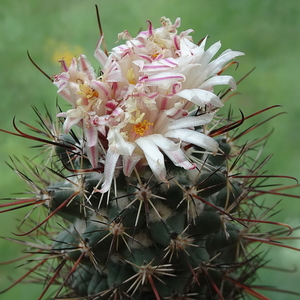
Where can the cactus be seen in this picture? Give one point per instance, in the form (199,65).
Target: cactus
(148,190)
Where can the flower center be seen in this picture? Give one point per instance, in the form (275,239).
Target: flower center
(154,55)
(87,92)
(130,76)
(142,127)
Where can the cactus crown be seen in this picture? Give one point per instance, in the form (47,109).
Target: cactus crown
(147,191)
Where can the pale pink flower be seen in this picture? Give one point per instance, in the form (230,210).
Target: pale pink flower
(90,97)
(152,93)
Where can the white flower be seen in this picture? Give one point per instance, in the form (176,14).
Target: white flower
(149,140)
(152,93)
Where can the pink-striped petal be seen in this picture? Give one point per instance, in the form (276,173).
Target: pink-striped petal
(91,135)
(100,54)
(165,79)
(86,67)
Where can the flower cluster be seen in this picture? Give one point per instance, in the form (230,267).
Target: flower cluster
(151,94)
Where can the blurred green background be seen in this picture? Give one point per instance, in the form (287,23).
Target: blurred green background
(267,31)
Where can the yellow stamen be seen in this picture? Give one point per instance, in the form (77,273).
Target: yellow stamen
(87,92)
(142,127)
(130,76)
(154,55)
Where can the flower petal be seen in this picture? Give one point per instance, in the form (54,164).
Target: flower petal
(86,67)
(216,65)
(195,138)
(160,65)
(100,54)
(153,156)
(118,144)
(210,53)
(91,135)
(164,143)
(179,159)
(164,79)
(192,121)
(200,97)
(109,170)
(69,122)
(129,163)
(219,80)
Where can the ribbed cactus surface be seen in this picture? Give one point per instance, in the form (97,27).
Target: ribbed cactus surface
(148,191)
(149,239)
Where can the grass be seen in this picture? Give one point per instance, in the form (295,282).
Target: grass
(267,31)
